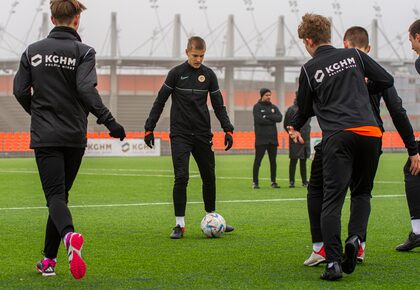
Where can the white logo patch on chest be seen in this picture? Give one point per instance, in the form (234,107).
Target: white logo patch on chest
(201,78)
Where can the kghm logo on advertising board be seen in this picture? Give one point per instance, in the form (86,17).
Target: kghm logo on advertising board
(54,61)
(125,147)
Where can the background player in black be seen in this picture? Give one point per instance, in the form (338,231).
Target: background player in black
(266,116)
(332,87)
(56,85)
(298,151)
(412,183)
(190,83)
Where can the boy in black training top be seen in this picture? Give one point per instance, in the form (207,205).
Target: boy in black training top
(190,83)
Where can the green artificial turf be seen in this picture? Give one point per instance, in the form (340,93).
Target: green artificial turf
(123,207)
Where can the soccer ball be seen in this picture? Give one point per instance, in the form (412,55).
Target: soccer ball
(213,225)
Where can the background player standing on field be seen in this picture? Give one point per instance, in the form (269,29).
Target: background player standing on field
(332,87)
(56,85)
(266,116)
(190,83)
(356,37)
(298,151)
(412,183)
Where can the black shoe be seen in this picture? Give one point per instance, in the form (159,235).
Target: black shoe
(412,242)
(305,184)
(255,186)
(275,185)
(229,229)
(332,273)
(292,184)
(177,232)
(350,254)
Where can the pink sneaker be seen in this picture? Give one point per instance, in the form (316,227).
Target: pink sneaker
(74,244)
(46,267)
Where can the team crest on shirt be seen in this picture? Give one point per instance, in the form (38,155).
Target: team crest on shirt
(272,110)
(201,78)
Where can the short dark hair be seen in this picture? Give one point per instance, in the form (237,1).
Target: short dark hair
(196,42)
(357,36)
(414,28)
(65,10)
(315,27)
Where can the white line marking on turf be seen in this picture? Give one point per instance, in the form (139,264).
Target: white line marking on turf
(191,202)
(106,173)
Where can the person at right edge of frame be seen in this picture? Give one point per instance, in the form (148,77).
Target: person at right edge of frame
(56,85)
(266,116)
(298,151)
(190,84)
(412,183)
(332,87)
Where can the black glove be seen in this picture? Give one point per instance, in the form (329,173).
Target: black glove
(228,140)
(149,139)
(115,130)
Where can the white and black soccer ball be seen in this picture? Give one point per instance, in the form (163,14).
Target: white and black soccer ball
(213,225)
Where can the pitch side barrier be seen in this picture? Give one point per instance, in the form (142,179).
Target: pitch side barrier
(16,144)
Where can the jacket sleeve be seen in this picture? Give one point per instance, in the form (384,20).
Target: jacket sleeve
(276,116)
(261,119)
(219,108)
(304,101)
(22,84)
(86,82)
(287,119)
(159,103)
(289,116)
(399,117)
(379,77)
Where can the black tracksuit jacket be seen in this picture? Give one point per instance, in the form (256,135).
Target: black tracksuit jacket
(189,88)
(266,116)
(343,72)
(56,85)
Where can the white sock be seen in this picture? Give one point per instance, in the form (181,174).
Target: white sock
(180,221)
(330,264)
(415,224)
(317,246)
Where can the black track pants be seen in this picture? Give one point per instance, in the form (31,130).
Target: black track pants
(316,195)
(347,157)
(58,167)
(292,169)
(412,191)
(201,149)
(259,154)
